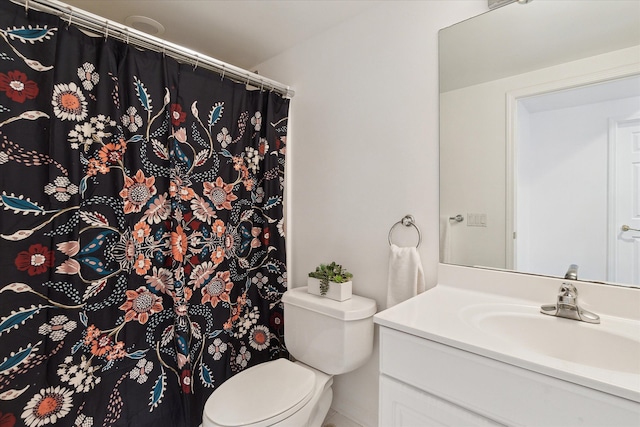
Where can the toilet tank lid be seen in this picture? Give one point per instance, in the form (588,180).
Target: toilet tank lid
(355,308)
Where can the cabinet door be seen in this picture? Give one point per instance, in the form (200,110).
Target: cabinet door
(404,406)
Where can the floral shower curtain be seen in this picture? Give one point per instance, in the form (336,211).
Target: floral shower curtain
(141,243)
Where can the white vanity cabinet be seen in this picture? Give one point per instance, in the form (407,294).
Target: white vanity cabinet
(425,383)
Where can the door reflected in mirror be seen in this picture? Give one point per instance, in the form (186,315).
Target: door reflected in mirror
(573,175)
(540,139)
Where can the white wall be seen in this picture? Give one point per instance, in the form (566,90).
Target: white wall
(475,181)
(363,152)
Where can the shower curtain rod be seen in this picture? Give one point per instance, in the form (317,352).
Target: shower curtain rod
(108,28)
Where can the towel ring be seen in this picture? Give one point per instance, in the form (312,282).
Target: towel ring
(407,221)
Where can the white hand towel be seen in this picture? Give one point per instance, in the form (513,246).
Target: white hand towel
(406,277)
(445,239)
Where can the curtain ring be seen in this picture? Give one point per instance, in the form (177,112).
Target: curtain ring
(106,30)
(196,64)
(70,16)
(127,39)
(261,85)
(223,71)
(26,8)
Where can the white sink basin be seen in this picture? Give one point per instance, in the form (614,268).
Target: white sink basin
(612,345)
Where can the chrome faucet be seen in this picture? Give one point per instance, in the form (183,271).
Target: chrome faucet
(567,306)
(572,272)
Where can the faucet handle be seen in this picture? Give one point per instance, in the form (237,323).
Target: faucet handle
(568,294)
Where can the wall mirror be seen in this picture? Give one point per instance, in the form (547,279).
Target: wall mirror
(540,139)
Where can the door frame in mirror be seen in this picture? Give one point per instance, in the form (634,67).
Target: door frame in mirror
(512,98)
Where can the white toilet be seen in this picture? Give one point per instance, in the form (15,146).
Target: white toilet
(326,337)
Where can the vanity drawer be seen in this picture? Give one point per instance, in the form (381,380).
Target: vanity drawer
(402,405)
(498,391)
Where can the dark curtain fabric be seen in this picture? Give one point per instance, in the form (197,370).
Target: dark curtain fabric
(142,253)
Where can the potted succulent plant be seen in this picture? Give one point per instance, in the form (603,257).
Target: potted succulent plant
(331,281)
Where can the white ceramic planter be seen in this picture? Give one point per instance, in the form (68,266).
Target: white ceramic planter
(337,291)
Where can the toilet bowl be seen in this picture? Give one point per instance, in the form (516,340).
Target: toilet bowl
(326,337)
(279,392)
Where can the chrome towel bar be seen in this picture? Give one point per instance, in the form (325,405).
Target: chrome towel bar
(407,221)
(457,218)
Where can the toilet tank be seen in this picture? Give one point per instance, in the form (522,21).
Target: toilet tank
(332,336)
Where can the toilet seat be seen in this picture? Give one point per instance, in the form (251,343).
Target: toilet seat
(261,395)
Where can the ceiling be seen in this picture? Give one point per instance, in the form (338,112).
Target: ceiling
(243,33)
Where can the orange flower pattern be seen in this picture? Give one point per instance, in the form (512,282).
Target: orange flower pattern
(179,244)
(140,304)
(217,289)
(141,214)
(220,194)
(137,192)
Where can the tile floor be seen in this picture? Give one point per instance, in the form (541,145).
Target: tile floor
(336,419)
